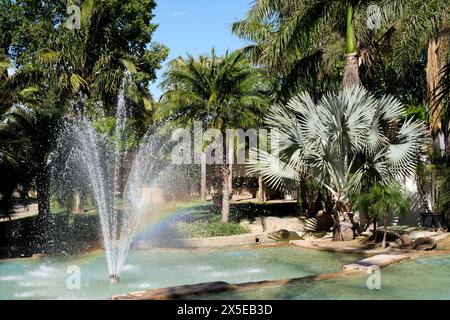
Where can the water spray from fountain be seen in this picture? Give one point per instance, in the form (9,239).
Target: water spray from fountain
(100,163)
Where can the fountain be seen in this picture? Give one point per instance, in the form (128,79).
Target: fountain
(100,163)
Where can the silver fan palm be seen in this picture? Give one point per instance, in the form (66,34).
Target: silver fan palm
(339,140)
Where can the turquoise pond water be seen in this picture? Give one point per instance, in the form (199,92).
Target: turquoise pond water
(427,278)
(47,277)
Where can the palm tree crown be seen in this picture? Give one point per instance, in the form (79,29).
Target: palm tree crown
(223,91)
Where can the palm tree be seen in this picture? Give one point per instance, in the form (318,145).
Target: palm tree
(294,38)
(13,166)
(441,107)
(8,141)
(423,25)
(297,37)
(91,61)
(339,141)
(38,127)
(382,201)
(222,92)
(7,96)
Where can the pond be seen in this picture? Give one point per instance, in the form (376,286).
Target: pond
(47,277)
(425,278)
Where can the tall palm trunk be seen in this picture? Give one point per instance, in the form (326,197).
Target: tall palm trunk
(341,219)
(203,176)
(351,71)
(335,214)
(230,154)
(436,58)
(337,232)
(435,62)
(351,79)
(375,231)
(261,189)
(225,194)
(230,178)
(79,202)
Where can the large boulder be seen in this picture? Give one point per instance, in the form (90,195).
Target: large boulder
(424,244)
(406,241)
(285,235)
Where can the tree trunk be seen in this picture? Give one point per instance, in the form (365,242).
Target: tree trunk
(433,191)
(79,202)
(230,154)
(436,59)
(435,63)
(385,231)
(230,179)
(203,176)
(261,190)
(337,232)
(225,194)
(375,229)
(351,71)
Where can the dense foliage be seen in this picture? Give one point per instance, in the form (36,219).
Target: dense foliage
(59,71)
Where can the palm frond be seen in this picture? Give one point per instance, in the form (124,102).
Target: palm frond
(340,140)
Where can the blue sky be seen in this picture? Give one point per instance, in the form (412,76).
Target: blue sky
(195,26)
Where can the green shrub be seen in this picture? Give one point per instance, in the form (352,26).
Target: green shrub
(208,229)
